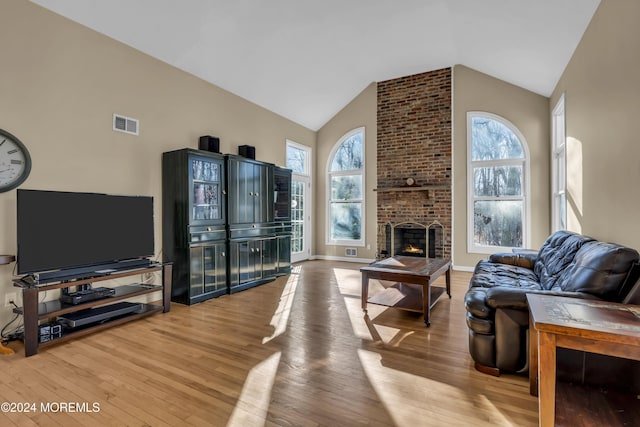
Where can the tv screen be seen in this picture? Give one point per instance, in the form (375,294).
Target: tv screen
(63,230)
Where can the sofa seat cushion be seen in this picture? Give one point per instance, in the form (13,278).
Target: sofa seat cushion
(488,275)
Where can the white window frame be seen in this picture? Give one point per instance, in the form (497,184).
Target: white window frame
(472,247)
(558,166)
(305,178)
(328,239)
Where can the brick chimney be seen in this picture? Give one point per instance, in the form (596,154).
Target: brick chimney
(414,141)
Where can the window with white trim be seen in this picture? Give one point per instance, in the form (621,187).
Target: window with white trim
(559,168)
(345,188)
(498,176)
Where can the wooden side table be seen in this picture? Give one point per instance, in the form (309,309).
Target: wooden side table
(587,325)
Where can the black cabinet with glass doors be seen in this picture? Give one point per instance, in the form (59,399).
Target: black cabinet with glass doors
(194,223)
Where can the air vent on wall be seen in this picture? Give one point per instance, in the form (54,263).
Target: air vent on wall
(351,251)
(125,124)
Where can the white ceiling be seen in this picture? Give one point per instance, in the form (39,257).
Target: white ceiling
(305,60)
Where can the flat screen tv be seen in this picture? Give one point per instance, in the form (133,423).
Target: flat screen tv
(66,231)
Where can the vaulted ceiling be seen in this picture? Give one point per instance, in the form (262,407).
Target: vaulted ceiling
(305,60)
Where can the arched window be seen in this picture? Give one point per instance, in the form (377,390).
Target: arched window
(498,190)
(345,189)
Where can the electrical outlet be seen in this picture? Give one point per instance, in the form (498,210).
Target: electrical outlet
(11,296)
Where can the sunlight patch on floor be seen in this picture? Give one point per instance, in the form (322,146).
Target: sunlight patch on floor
(253,403)
(349,285)
(281,315)
(361,325)
(349,281)
(414,400)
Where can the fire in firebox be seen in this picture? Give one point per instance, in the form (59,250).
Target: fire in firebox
(412,250)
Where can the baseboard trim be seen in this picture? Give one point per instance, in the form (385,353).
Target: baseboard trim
(340,258)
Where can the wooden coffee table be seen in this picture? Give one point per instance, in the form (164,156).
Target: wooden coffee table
(412,290)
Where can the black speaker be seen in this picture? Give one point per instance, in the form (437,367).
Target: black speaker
(209,143)
(248,151)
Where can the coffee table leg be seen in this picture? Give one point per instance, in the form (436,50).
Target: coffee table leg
(448,280)
(426,303)
(365,291)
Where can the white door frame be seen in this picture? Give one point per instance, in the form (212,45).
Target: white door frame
(307,203)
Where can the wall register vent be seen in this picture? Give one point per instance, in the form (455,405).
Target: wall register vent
(351,251)
(125,124)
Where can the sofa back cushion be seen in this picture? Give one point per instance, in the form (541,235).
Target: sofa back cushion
(599,269)
(555,256)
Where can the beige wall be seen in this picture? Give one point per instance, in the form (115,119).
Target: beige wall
(60,84)
(360,112)
(475,91)
(602,101)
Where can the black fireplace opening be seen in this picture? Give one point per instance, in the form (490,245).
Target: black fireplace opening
(412,239)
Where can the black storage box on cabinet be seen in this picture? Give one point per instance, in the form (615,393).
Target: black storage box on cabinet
(194,223)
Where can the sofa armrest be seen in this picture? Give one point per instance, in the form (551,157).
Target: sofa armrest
(519,259)
(516,298)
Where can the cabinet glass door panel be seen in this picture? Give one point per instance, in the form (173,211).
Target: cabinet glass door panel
(282,196)
(206,197)
(196,270)
(245,261)
(269,256)
(284,253)
(214,263)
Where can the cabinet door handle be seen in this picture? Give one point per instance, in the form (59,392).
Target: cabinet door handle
(257,194)
(257,249)
(251,193)
(252,250)
(224,254)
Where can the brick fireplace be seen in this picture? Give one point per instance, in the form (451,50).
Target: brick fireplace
(414,141)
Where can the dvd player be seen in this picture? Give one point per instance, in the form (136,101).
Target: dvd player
(98,314)
(86,295)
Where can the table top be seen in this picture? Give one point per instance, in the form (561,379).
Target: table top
(584,317)
(418,266)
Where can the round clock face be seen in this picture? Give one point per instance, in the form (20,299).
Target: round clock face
(15,162)
(410,181)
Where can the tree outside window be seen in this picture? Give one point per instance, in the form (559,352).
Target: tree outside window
(497,172)
(345,186)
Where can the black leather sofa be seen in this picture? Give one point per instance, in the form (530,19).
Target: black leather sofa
(567,264)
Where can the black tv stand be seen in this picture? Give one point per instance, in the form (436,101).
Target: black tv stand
(34,312)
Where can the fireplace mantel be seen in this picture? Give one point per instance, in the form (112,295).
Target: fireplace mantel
(426,188)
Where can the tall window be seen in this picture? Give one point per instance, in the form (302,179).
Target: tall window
(498,175)
(299,161)
(345,188)
(559,168)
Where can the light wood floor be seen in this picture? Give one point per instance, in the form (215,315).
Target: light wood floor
(297,351)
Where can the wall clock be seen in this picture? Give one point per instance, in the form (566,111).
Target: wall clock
(15,162)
